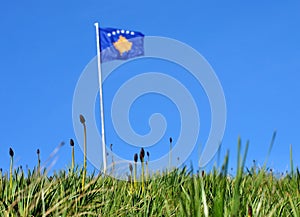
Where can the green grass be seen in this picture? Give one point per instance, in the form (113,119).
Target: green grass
(180,192)
(177,193)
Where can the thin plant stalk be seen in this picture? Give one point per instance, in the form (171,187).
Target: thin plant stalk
(134,178)
(142,157)
(73,158)
(147,166)
(82,120)
(131,175)
(73,154)
(147,171)
(135,168)
(143,169)
(39,162)
(170,154)
(84,160)
(11,173)
(11,153)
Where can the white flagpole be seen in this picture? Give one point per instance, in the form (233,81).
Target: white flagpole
(101,97)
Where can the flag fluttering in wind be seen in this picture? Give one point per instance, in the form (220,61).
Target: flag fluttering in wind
(115,44)
(120,44)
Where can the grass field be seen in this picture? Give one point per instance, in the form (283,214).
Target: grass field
(181,192)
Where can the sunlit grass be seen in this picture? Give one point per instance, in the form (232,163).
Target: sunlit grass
(180,192)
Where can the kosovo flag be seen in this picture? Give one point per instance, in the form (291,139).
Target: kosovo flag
(120,44)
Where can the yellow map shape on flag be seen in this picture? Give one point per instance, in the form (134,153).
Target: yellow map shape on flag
(122,45)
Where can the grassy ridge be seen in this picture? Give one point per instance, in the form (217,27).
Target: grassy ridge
(178,193)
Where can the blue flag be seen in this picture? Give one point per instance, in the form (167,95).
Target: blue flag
(120,44)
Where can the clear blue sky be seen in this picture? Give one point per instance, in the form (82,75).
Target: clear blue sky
(253,47)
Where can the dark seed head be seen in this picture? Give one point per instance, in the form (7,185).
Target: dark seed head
(11,152)
(82,120)
(130,167)
(148,154)
(171,139)
(111,145)
(135,158)
(249,211)
(71,142)
(142,154)
(38,151)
